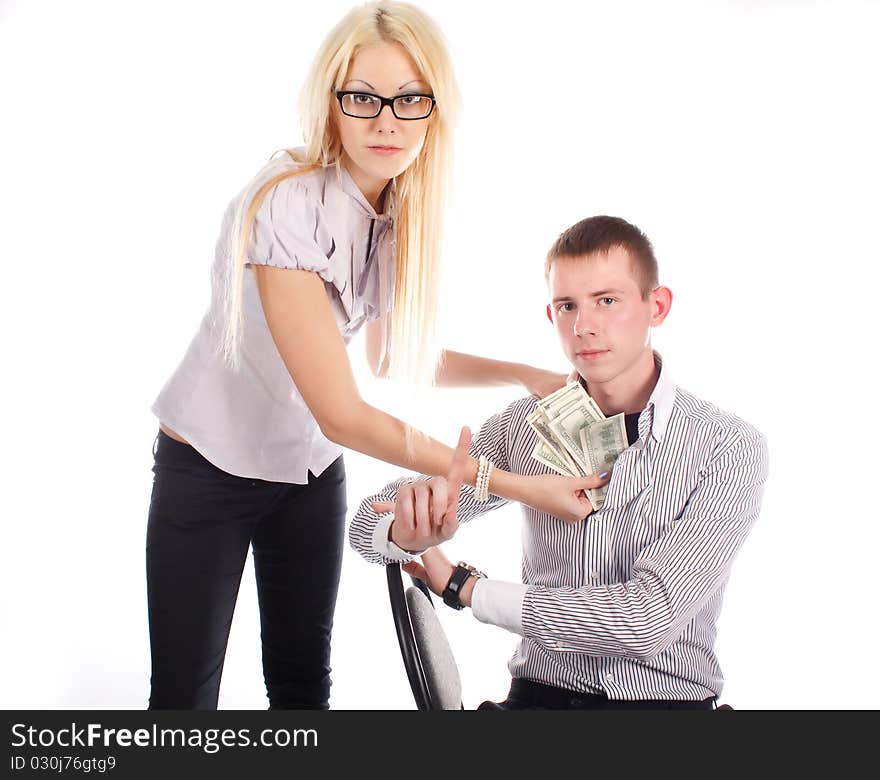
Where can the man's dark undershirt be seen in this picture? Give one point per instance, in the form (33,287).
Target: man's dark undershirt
(632,427)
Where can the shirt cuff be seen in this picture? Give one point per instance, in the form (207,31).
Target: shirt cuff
(499,603)
(383,545)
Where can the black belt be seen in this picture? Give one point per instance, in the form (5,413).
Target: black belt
(537,694)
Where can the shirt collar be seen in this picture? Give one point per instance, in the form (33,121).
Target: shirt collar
(655,416)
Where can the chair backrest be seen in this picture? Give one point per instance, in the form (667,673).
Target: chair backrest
(427,657)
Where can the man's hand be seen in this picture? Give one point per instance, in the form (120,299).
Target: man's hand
(435,571)
(425,512)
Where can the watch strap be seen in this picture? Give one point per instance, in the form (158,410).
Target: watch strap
(460,575)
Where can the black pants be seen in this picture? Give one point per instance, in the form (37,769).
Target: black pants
(530,695)
(200,524)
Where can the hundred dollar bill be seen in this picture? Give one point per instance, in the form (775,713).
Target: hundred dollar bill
(601,443)
(557,402)
(539,423)
(567,427)
(544,454)
(567,443)
(596,410)
(577,399)
(561,397)
(564,402)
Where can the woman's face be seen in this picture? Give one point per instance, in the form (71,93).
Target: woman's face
(378,149)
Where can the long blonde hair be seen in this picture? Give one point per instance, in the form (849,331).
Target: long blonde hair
(420,189)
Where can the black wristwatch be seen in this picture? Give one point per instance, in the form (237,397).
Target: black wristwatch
(460,575)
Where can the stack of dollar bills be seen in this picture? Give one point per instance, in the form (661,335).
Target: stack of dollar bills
(575,438)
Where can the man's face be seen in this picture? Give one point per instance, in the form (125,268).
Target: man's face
(604,323)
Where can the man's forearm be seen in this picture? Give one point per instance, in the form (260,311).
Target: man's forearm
(368,525)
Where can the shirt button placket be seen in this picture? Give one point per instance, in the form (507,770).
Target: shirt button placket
(606,678)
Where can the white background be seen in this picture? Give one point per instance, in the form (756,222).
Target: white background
(741,136)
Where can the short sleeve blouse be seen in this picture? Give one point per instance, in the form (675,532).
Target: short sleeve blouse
(252,421)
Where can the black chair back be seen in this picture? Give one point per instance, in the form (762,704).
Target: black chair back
(405,638)
(430,667)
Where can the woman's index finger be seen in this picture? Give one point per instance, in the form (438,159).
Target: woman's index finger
(459,462)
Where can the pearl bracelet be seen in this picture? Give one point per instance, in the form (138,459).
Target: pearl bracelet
(481,486)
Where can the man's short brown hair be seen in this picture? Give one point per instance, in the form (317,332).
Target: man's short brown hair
(601,234)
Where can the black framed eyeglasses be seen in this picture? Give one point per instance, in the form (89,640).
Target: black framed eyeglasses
(365,105)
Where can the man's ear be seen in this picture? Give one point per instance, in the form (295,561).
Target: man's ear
(549,313)
(661,303)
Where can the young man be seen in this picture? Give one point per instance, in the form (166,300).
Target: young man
(617,610)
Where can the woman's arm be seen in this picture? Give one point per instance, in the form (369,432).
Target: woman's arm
(456,369)
(306,335)
(302,325)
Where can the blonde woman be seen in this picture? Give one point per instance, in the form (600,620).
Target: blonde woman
(340,234)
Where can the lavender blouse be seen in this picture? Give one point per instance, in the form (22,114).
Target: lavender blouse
(252,421)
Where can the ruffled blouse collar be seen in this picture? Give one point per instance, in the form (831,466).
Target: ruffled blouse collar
(350,188)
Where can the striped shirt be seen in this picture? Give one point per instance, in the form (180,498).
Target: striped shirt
(625,602)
